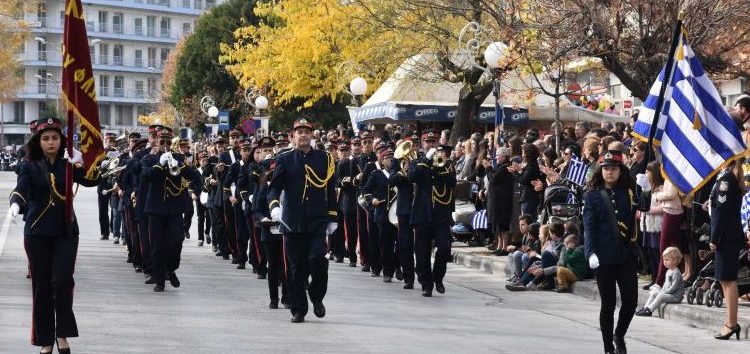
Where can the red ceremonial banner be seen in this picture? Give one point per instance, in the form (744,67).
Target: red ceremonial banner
(78,87)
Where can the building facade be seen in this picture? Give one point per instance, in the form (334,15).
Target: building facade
(129,41)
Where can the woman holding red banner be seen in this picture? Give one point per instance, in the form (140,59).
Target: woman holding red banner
(51,249)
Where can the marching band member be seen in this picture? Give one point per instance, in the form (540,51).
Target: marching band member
(187,216)
(51,249)
(127,187)
(217,203)
(244,228)
(204,219)
(347,201)
(404,199)
(305,176)
(379,195)
(229,157)
(365,165)
(104,198)
(167,180)
(434,180)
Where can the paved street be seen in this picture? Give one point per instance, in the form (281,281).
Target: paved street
(220,309)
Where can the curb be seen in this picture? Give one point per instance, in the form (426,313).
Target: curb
(698,316)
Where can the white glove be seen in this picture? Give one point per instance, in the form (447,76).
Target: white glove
(77,156)
(172,163)
(14,209)
(431,153)
(164,158)
(331,228)
(642,181)
(104,192)
(593,261)
(276,214)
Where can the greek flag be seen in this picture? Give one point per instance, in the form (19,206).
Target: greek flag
(745,211)
(577,171)
(695,135)
(479,221)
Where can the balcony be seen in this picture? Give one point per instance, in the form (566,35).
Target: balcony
(165,33)
(117,29)
(119,92)
(136,34)
(138,63)
(42,55)
(117,61)
(163,6)
(103,60)
(102,27)
(138,30)
(104,91)
(52,92)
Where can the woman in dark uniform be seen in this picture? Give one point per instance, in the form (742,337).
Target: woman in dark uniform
(50,248)
(727,241)
(610,203)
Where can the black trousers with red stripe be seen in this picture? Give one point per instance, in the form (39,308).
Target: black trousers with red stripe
(306,258)
(362,233)
(406,247)
(52,261)
(166,245)
(348,228)
(276,273)
(230,229)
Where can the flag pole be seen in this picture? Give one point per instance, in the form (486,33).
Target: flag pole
(663,90)
(69,171)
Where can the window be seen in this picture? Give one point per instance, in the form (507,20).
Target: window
(139,58)
(198,4)
(117,54)
(164,55)
(103,54)
(186,28)
(164,3)
(41,48)
(92,50)
(62,19)
(41,81)
(103,21)
(123,115)
(210,4)
(117,22)
(152,57)
(41,14)
(151,26)
(43,109)
(103,85)
(19,111)
(119,86)
(139,93)
(139,26)
(152,88)
(165,26)
(104,114)
(186,4)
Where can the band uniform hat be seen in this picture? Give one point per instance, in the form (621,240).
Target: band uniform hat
(220,140)
(246,144)
(165,133)
(182,142)
(381,146)
(365,134)
(266,141)
(134,135)
(43,124)
(446,148)
(139,144)
(155,128)
(429,136)
(110,136)
(611,158)
(355,141)
(344,146)
(414,138)
(234,133)
(203,155)
(302,123)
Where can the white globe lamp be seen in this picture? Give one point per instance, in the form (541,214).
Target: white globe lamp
(213,112)
(494,53)
(358,86)
(261,102)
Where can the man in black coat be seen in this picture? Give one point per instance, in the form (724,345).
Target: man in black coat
(379,196)
(345,173)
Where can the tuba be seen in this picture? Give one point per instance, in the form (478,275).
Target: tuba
(405,154)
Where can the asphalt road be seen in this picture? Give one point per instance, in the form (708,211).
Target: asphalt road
(220,309)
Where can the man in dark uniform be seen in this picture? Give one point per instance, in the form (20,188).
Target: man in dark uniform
(404,199)
(135,144)
(379,196)
(365,163)
(309,213)
(104,185)
(229,182)
(347,201)
(198,187)
(248,185)
(187,216)
(235,199)
(431,215)
(167,181)
(217,201)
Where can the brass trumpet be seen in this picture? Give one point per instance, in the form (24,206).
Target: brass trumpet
(439,161)
(405,154)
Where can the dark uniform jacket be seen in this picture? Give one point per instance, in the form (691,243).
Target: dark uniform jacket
(726,202)
(247,185)
(404,192)
(612,238)
(139,181)
(347,191)
(166,193)
(377,188)
(39,192)
(433,192)
(309,200)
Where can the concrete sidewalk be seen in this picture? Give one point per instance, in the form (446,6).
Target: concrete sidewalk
(699,316)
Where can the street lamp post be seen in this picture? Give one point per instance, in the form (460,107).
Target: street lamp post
(255,99)
(208,107)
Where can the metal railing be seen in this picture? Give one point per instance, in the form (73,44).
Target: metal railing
(103,60)
(117,29)
(138,30)
(117,61)
(119,92)
(104,91)
(103,27)
(165,32)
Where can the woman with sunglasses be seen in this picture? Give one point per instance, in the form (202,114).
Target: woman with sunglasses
(51,249)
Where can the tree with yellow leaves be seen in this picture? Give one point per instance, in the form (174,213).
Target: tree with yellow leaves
(14,30)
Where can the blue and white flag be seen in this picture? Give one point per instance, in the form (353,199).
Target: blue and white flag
(695,135)
(745,211)
(479,221)
(577,171)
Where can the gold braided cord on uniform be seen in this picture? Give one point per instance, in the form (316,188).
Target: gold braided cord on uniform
(172,189)
(439,198)
(312,178)
(54,188)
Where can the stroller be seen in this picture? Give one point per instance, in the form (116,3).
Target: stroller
(558,204)
(707,290)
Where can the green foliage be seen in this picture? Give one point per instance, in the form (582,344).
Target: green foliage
(323,113)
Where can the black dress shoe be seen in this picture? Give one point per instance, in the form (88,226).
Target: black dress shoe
(440,287)
(409,286)
(399,274)
(365,268)
(187,235)
(319,310)
(620,345)
(387,279)
(173,280)
(241,266)
(104,237)
(150,281)
(353,264)
(138,269)
(274,305)
(647,286)
(63,350)
(226,256)
(339,260)
(219,253)
(375,274)
(159,288)
(298,318)
(116,241)
(261,276)
(208,239)
(330,257)
(235,261)
(427,292)
(200,243)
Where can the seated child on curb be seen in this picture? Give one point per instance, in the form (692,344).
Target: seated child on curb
(518,258)
(572,266)
(673,289)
